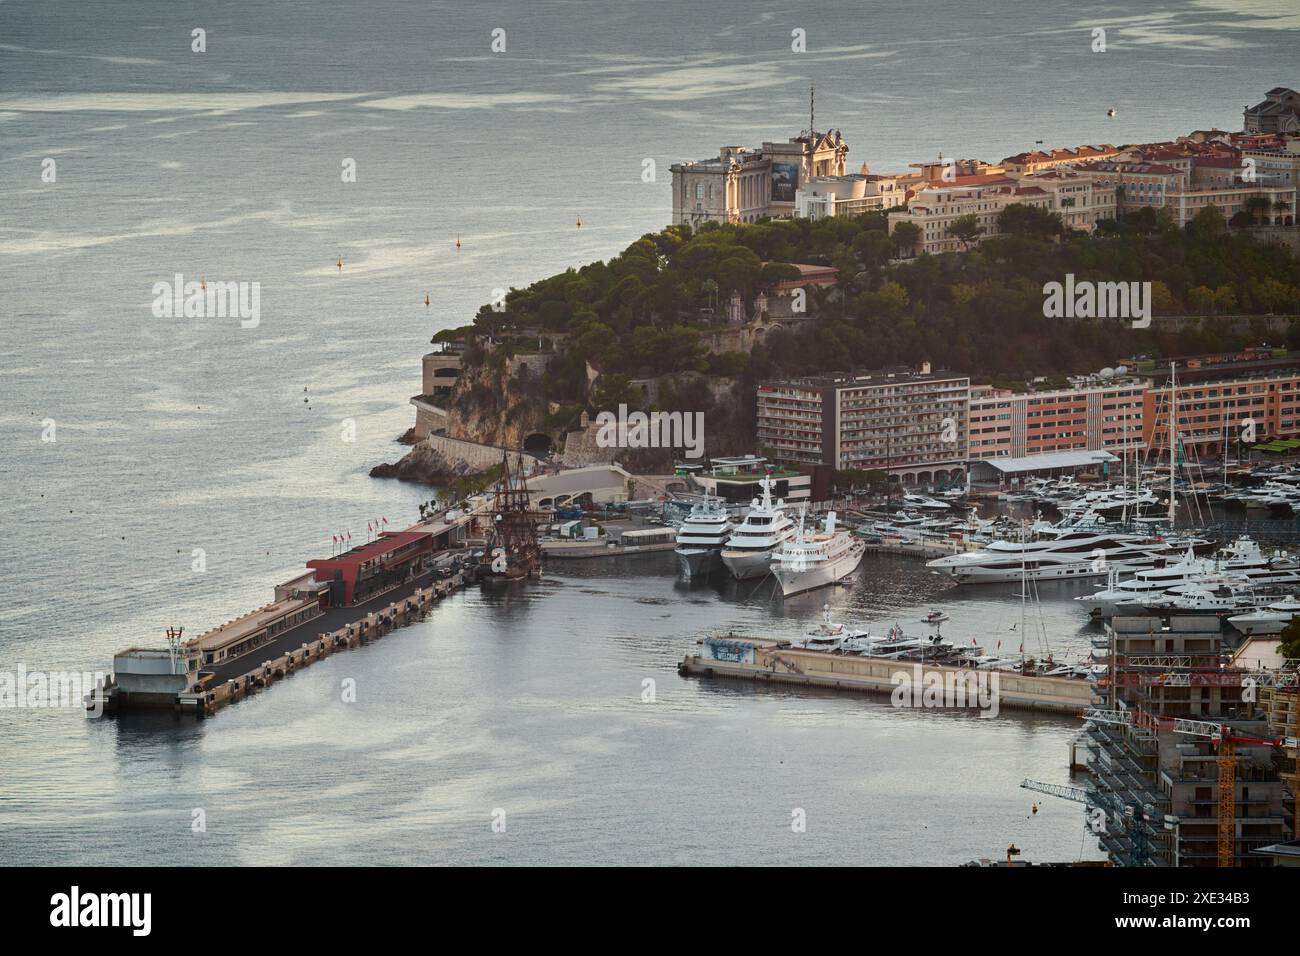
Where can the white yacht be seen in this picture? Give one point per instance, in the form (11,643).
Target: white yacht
(1267,620)
(829,636)
(925,503)
(1145,585)
(701,537)
(748,553)
(808,561)
(1241,562)
(1246,556)
(1223,597)
(1055,553)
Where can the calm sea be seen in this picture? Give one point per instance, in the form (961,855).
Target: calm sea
(174,435)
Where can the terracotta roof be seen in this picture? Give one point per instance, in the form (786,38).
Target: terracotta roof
(1140,168)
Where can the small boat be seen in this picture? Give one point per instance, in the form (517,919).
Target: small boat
(934,617)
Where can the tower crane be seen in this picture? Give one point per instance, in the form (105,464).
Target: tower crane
(1137,821)
(1225,739)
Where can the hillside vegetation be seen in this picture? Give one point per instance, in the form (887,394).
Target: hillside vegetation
(646,312)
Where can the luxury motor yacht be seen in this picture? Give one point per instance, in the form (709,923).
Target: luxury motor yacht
(701,537)
(1267,620)
(809,561)
(1054,553)
(763,531)
(1242,561)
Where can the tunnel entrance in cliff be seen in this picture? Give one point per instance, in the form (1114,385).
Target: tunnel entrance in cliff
(537,445)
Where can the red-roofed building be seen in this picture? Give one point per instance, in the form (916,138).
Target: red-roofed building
(1039,160)
(356,575)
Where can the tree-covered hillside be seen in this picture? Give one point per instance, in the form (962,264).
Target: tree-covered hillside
(644,313)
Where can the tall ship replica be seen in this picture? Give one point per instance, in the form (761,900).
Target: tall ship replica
(817,559)
(702,536)
(513,552)
(753,542)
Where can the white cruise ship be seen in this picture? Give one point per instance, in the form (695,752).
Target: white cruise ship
(702,535)
(765,529)
(1065,553)
(809,561)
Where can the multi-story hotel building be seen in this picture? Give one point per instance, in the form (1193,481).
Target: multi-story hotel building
(1089,417)
(1214,411)
(912,424)
(745,185)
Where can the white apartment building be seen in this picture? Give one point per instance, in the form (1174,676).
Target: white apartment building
(848,195)
(934,209)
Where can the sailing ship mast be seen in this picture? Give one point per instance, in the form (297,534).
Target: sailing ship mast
(513,551)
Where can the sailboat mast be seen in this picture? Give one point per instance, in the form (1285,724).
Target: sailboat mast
(1024,577)
(1173,438)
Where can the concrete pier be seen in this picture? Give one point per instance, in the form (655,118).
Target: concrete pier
(232,679)
(766,661)
(241,677)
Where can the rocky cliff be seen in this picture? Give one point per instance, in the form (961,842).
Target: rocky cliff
(498,403)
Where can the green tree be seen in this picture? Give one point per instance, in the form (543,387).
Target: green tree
(1021,219)
(906,235)
(966,229)
(1290,636)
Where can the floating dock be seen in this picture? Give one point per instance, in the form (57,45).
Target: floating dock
(768,661)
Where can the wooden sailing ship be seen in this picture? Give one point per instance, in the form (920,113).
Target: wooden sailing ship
(512,550)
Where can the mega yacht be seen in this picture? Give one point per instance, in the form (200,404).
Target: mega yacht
(702,536)
(1054,553)
(1267,620)
(808,561)
(764,530)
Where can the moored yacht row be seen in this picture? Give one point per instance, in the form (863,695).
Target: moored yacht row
(766,541)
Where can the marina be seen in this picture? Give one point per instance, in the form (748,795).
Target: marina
(398,489)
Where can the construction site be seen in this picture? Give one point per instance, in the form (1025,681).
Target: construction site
(1191,753)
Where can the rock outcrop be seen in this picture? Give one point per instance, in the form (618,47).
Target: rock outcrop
(423,465)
